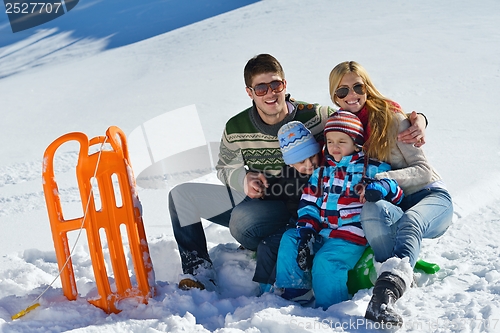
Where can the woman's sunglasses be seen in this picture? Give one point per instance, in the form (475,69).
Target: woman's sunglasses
(358,88)
(262,88)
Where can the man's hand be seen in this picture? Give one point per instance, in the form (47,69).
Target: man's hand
(416,132)
(255,185)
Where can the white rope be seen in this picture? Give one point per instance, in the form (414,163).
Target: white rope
(81,226)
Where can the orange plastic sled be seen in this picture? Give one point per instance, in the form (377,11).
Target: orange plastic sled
(101,166)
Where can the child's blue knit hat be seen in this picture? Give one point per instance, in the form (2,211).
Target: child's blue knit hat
(296,142)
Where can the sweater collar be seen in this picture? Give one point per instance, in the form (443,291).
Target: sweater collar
(273,129)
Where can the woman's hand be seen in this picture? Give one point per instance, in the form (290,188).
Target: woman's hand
(360,190)
(414,134)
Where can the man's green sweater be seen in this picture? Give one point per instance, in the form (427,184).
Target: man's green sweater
(250,144)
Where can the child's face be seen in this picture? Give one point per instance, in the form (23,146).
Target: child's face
(352,102)
(339,145)
(308,165)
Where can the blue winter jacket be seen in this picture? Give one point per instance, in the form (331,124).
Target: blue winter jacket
(329,203)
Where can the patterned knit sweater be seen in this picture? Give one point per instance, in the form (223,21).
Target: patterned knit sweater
(250,144)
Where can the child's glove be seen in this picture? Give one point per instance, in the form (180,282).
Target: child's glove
(305,253)
(385,188)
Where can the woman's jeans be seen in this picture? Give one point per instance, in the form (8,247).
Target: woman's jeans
(394,231)
(249,220)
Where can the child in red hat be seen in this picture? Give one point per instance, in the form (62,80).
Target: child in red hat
(328,241)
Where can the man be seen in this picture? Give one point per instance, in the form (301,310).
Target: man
(249,151)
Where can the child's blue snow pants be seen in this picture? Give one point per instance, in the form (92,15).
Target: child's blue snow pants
(333,258)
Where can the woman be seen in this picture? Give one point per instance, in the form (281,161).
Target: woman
(394,233)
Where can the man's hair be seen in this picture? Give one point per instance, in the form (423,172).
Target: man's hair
(262,63)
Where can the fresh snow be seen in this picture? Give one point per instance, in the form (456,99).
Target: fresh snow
(439,58)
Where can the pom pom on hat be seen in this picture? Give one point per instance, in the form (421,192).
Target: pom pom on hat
(348,123)
(296,142)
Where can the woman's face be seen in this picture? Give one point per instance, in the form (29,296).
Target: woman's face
(353,102)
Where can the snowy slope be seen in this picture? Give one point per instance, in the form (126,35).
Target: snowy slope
(437,58)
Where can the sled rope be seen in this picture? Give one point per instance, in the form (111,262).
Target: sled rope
(35,303)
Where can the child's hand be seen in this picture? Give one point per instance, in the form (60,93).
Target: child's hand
(383,189)
(305,253)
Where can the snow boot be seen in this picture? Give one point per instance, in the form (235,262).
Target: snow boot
(300,296)
(388,289)
(395,276)
(190,283)
(198,282)
(203,277)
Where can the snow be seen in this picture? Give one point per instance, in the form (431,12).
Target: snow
(399,267)
(114,63)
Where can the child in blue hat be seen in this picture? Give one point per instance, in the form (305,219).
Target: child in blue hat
(302,154)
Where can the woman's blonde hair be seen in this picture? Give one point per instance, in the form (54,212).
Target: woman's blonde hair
(381,111)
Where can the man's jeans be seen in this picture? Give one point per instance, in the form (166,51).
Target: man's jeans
(394,231)
(249,220)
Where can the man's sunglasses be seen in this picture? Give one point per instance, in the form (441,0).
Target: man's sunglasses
(262,88)
(358,88)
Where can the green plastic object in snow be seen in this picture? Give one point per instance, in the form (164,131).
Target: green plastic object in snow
(427,267)
(363,275)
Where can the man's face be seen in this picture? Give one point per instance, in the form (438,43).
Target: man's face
(271,106)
